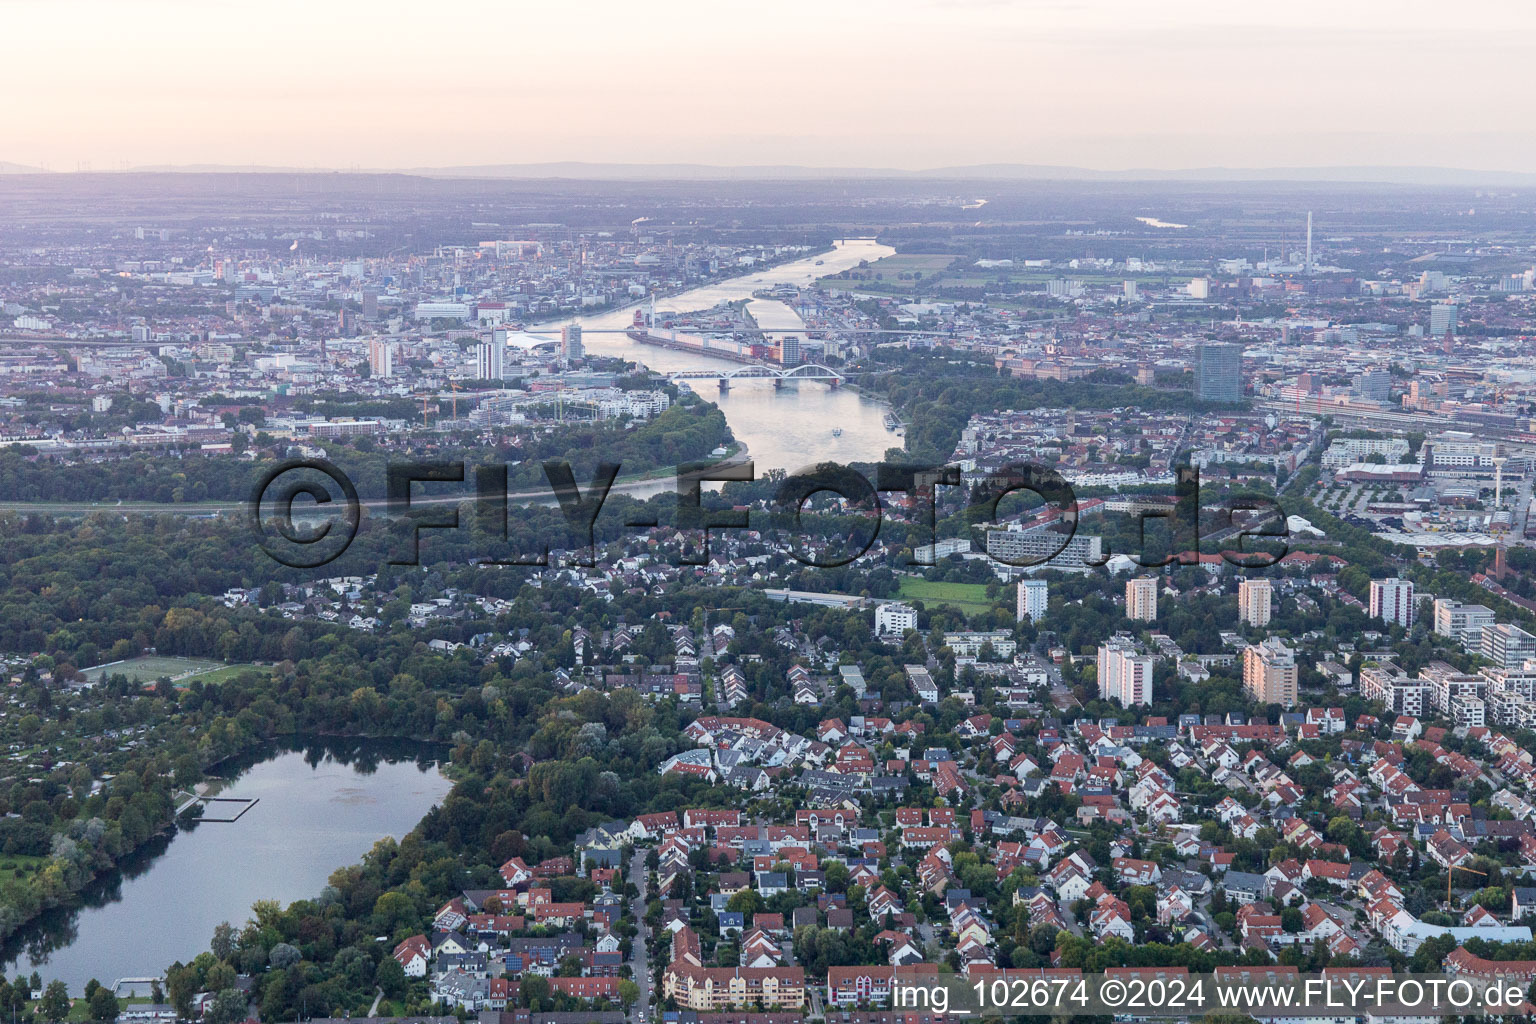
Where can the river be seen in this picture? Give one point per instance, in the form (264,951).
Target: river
(317,809)
(786,428)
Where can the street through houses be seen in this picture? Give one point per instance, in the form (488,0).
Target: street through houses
(642,973)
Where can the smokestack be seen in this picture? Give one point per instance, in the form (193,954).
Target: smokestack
(1309,241)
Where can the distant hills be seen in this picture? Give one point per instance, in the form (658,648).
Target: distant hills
(580,171)
(983,172)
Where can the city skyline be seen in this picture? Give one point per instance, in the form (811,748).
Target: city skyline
(683,514)
(1189,84)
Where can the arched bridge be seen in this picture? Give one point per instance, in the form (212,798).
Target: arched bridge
(805,371)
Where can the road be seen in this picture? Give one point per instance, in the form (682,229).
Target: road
(639,959)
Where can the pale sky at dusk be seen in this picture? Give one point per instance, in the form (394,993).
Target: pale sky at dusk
(878,83)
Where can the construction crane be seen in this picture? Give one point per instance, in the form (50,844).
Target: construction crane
(427,396)
(1450,873)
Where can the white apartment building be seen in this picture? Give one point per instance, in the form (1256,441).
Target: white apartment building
(1346,451)
(1456,451)
(969,644)
(1125,674)
(1392,601)
(894,619)
(1038,549)
(1033,597)
(1390,685)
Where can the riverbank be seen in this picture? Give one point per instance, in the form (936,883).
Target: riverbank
(675,292)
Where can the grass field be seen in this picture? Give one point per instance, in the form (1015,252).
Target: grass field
(181,670)
(968,597)
(891,271)
(223,674)
(79,1010)
(10,863)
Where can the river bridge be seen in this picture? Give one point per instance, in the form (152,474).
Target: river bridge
(778,374)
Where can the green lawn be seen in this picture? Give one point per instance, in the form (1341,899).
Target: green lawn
(182,671)
(970,598)
(889,272)
(223,674)
(11,862)
(79,1011)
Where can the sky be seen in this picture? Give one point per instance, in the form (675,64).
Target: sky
(909,84)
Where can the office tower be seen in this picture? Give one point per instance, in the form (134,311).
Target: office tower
(1221,373)
(490,357)
(370,304)
(1253,597)
(1375,385)
(1125,675)
(1506,645)
(1454,619)
(1033,595)
(1269,673)
(1392,601)
(789,350)
(1141,599)
(570,343)
(1442,319)
(1309,241)
(381,358)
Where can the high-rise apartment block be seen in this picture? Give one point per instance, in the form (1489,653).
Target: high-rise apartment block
(570,343)
(1392,601)
(490,357)
(1253,602)
(1033,595)
(1125,674)
(1269,673)
(1141,599)
(381,358)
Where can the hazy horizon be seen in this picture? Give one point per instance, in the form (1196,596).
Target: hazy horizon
(905,84)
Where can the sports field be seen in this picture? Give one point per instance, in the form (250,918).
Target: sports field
(151,667)
(968,597)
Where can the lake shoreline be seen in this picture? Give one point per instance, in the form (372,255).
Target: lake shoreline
(72,936)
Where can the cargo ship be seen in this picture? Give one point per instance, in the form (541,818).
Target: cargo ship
(689,343)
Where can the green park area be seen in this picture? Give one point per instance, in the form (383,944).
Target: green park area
(895,274)
(970,598)
(181,671)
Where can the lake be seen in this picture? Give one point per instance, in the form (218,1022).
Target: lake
(318,808)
